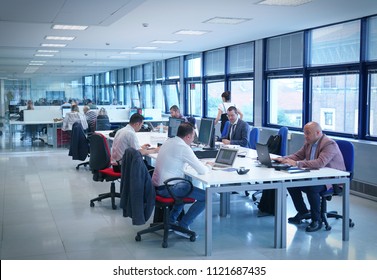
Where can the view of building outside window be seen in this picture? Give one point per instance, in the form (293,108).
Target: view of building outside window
(195,98)
(214,91)
(335,102)
(285,101)
(243,96)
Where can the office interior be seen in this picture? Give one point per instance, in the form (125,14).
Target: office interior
(61,224)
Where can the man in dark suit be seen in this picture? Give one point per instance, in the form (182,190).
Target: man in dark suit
(238,132)
(317,152)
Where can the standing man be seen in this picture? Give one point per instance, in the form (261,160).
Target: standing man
(174,155)
(238,132)
(318,151)
(126,138)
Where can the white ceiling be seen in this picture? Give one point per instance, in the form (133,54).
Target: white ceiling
(118,25)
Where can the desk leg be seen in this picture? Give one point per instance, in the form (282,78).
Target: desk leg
(224,204)
(346,211)
(280,217)
(208,227)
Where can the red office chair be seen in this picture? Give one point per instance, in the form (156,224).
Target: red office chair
(99,163)
(166,203)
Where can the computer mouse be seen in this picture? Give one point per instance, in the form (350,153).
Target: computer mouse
(242,171)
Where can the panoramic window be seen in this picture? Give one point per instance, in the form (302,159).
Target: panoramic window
(335,100)
(285,101)
(335,44)
(373,104)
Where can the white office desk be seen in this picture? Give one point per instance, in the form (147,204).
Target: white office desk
(13,125)
(260,178)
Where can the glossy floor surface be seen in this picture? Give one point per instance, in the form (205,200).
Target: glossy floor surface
(45,214)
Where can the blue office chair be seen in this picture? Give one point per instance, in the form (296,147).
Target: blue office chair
(253,137)
(347,150)
(283,132)
(224,134)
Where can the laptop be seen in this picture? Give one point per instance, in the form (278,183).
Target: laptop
(225,158)
(265,159)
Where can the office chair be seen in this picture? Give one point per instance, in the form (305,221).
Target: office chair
(103,123)
(347,151)
(79,145)
(99,163)
(179,189)
(253,137)
(225,132)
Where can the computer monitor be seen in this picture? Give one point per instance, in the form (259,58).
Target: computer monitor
(173,126)
(207,133)
(65,110)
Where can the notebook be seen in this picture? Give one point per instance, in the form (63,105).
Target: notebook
(265,159)
(225,158)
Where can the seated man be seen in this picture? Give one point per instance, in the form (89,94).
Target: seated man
(238,132)
(126,138)
(172,158)
(318,151)
(91,118)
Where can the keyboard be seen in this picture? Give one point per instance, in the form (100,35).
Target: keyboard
(206,153)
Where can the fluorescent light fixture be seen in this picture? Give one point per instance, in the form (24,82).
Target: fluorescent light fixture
(164,42)
(35,64)
(129,53)
(37,61)
(70,27)
(145,48)
(191,32)
(30,69)
(47,51)
(54,45)
(283,2)
(226,20)
(44,55)
(61,38)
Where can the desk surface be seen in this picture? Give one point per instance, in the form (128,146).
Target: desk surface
(32,122)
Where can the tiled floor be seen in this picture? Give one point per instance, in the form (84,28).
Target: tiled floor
(45,214)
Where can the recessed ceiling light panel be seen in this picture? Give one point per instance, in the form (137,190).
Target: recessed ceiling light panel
(226,20)
(60,38)
(283,2)
(54,45)
(145,48)
(191,32)
(69,27)
(164,42)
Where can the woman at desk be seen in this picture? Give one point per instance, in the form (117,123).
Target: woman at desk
(72,117)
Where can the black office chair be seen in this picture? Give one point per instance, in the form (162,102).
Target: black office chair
(100,166)
(166,203)
(347,151)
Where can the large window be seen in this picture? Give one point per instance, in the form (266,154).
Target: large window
(372,39)
(214,91)
(195,98)
(285,101)
(243,96)
(335,100)
(373,104)
(335,44)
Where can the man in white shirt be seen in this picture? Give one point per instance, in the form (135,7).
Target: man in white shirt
(126,138)
(174,155)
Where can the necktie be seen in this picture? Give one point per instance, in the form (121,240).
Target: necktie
(232,128)
(312,152)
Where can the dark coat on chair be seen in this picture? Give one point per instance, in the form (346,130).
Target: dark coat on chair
(79,146)
(137,193)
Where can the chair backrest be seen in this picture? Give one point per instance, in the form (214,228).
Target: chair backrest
(224,134)
(347,150)
(283,132)
(253,137)
(99,152)
(103,123)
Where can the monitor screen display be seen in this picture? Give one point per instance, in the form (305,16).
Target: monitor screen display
(65,110)
(173,126)
(206,132)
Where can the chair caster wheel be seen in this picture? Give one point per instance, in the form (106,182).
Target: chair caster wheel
(91,204)
(192,238)
(77,168)
(352,224)
(138,237)
(114,207)
(328,228)
(164,245)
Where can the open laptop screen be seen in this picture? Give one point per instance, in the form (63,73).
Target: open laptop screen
(226,156)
